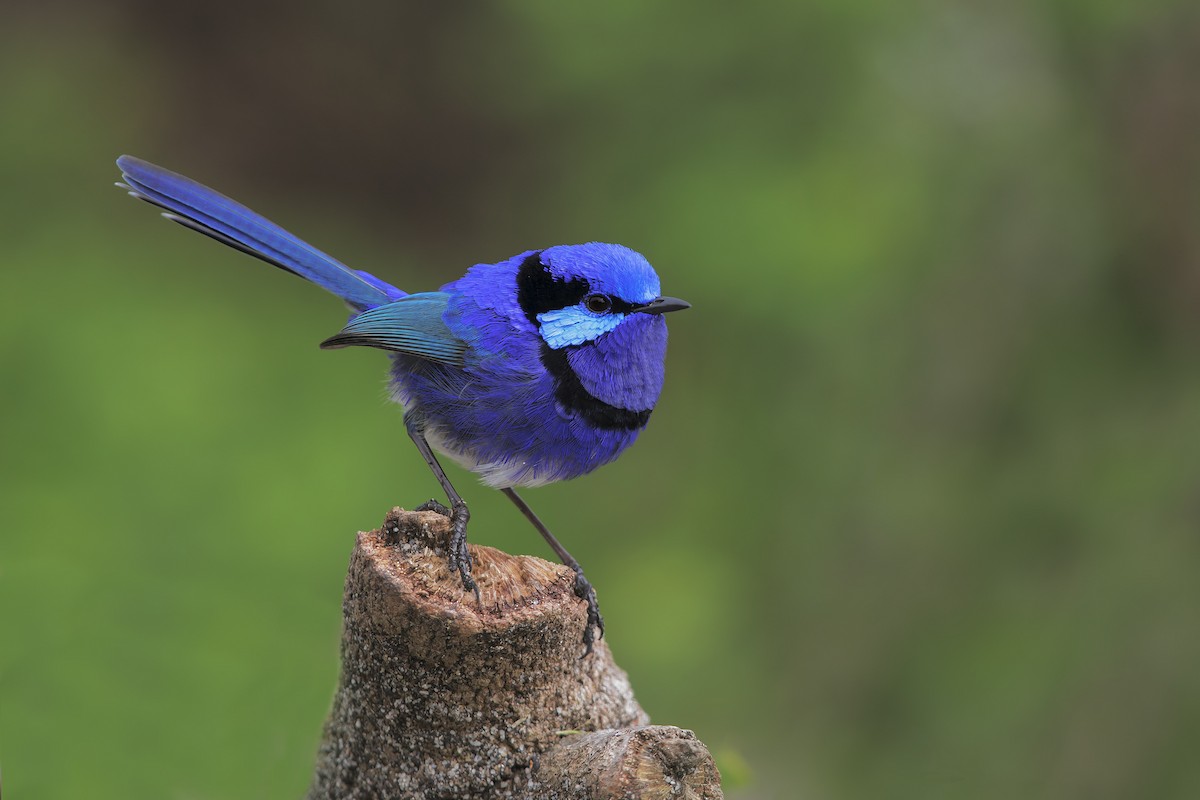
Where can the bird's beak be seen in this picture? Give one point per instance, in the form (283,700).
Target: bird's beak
(661,305)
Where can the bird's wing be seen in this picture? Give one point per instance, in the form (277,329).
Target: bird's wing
(229,222)
(412,324)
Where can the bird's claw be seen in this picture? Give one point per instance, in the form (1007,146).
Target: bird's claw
(584,591)
(459,556)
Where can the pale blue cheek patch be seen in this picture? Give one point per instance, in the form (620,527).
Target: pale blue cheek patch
(575,325)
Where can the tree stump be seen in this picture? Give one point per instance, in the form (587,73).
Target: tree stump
(444,697)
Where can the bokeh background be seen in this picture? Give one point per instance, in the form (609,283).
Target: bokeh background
(918,515)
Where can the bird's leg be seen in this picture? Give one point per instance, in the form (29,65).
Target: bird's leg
(583,588)
(459,557)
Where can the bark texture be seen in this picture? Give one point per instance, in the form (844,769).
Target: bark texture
(443,697)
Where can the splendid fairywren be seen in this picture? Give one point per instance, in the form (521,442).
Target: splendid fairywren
(535,369)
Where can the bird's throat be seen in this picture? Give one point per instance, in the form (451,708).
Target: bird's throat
(570,393)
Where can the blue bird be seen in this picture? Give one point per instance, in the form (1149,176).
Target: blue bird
(535,369)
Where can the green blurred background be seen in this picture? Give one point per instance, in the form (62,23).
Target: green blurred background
(918,515)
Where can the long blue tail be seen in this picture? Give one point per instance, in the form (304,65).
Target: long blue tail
(197,207)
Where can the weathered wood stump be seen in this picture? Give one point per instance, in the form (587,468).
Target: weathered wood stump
(444,697)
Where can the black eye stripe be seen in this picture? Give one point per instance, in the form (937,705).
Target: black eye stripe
(538,291)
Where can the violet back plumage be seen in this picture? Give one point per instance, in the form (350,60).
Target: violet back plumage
(535,369)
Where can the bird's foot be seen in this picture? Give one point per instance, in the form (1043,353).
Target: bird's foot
(435,506)
(459,557)
(584,590)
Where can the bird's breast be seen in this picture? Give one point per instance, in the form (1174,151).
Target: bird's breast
(520,413)
(505,422)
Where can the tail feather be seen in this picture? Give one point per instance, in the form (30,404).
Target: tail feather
(197,207)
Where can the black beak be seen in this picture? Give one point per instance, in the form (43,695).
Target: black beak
(662,305)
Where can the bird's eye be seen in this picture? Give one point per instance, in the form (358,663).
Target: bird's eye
(598,303)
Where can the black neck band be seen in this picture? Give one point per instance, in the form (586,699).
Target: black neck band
(573,397)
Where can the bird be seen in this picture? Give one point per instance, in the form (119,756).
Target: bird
(528,371)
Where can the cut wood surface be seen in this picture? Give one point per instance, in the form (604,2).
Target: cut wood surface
(441,696)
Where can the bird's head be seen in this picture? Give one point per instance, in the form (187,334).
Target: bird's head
(576,294)
(598,312)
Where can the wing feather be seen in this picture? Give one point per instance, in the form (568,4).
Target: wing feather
(412,324)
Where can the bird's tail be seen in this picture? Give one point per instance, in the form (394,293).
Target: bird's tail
(197,207)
